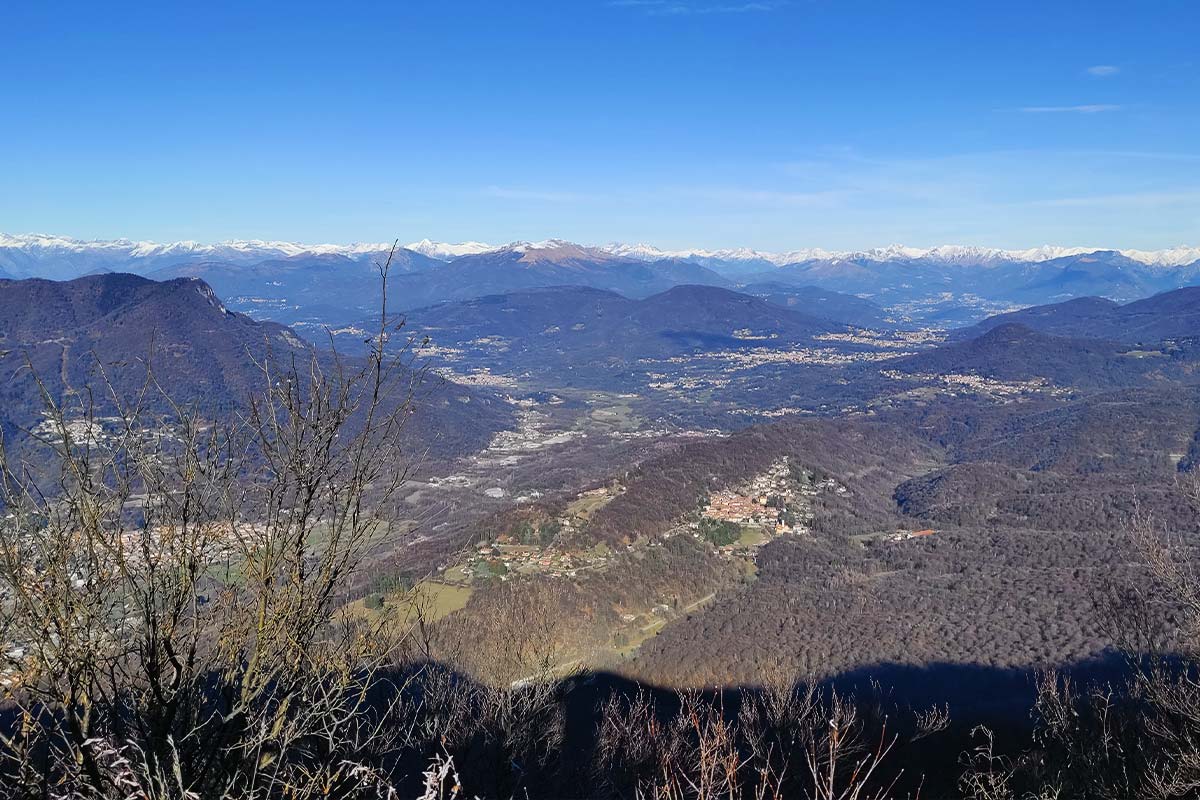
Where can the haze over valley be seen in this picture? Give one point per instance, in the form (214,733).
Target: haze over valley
(554,373)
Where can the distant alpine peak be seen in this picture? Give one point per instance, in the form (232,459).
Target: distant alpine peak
(646,252)
(444,251)
(545,244)
(1174,257)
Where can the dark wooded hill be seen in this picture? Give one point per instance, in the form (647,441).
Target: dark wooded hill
(1014,352)
(1170,315)
(202,354)
(572,325)
(324,288)
(560,264)
(309,287)
(825,303)
(1029,501)
(1106,273)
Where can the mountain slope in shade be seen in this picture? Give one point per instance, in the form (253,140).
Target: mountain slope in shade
(606,321)
(1013,352)
(533,267)
(1107,273)
(202,353)
(711,311)
(561,327)
(302,287)
(815,301)
(1170,315)
(319,289)
(1079,317)
(521,313)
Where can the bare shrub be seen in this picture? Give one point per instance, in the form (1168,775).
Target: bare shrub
(789,740)
(171,608)
(1139,738)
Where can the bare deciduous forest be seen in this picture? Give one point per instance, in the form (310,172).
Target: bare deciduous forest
(177,610)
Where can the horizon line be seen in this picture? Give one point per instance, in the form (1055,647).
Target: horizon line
(11,239)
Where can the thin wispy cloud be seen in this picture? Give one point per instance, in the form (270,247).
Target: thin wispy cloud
(1125,200)
(536,195)
(1092,108)
(683,8)
(721,195)
(843,197)
(929,181)
(1146,155)
(1000,179)
(1103,71)
(767,198)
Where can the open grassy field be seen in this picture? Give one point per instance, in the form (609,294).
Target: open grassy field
(438,599)
(752,536)
(583,507)
(632,636)
(431,599)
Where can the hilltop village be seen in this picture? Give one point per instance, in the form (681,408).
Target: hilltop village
(735,520)
(732,523)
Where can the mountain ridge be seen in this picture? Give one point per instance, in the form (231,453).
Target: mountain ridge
(59,335)
(323,284)
(129,249)
(1167,315)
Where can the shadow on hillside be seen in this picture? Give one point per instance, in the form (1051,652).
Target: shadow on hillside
(1000,698)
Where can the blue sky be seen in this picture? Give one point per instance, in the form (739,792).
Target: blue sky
(763,123)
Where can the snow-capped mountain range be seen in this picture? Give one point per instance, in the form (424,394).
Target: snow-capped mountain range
(294,283)
(950,254)
(20,254)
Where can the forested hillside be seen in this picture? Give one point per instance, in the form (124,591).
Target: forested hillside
(91,341)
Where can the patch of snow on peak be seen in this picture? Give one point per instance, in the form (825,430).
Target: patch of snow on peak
(1174,257)
(444,251)
(646,252)
(545,244)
